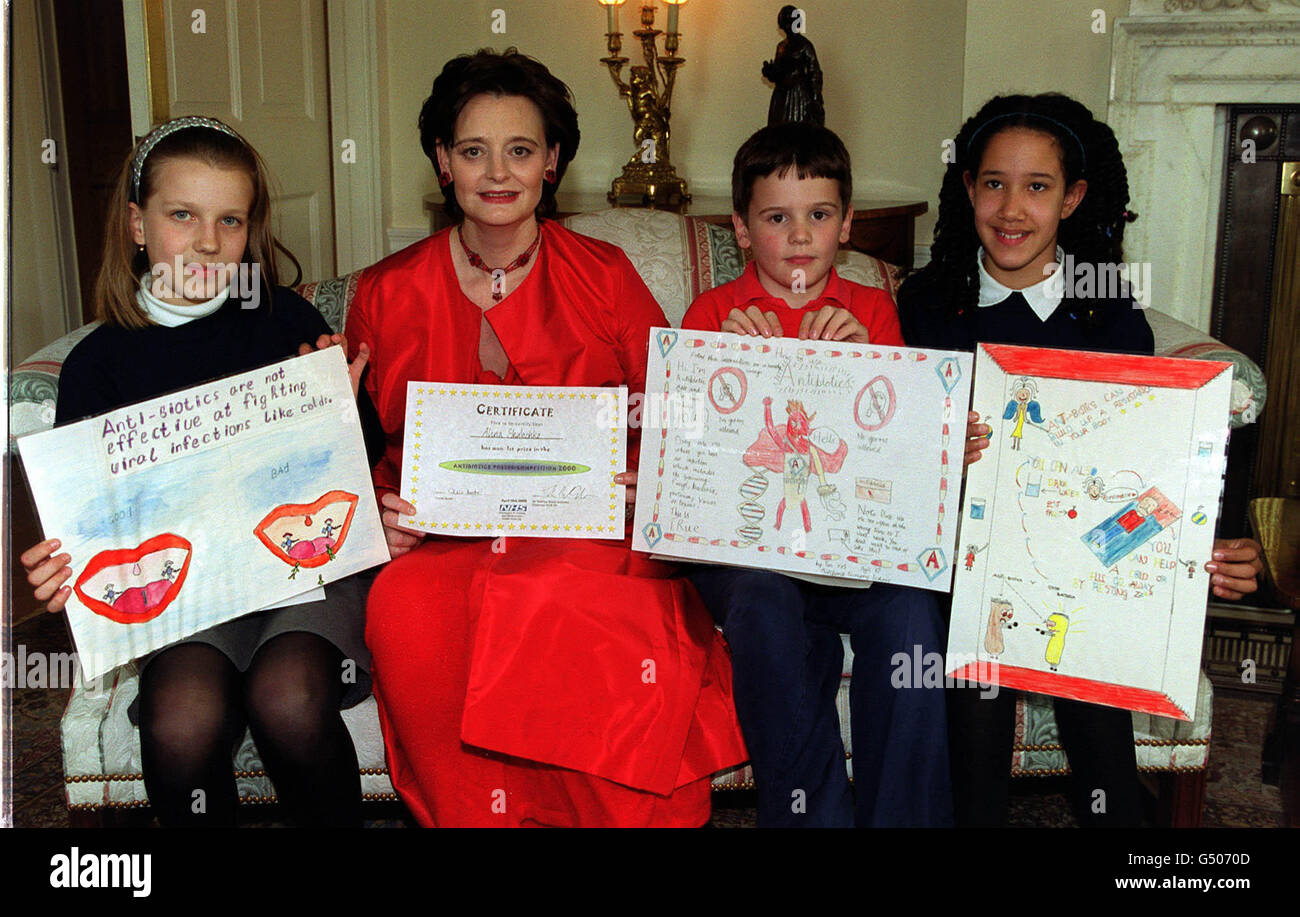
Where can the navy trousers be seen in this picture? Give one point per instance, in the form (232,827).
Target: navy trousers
(787,658)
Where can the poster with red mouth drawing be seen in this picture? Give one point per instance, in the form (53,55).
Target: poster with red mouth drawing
(188,510)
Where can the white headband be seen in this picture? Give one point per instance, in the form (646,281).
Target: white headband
(163,130)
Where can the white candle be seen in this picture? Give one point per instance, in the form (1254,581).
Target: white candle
(672,17)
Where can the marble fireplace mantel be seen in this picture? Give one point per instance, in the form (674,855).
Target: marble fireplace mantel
(1173,62)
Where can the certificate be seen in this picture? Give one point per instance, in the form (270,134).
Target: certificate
(188,510)
(826,460)
(514,460)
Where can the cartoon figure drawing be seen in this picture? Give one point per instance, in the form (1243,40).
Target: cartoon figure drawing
(789,451)
(1138,514)
(1054,628)
(1000,619)
(328,528)
(169,571)
(1094,486)
(1134,524)
(971,551)
(110,593)
(1022,402)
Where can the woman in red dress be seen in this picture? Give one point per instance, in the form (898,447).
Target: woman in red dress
(532,681)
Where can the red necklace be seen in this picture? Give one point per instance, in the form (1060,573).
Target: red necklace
(498,290)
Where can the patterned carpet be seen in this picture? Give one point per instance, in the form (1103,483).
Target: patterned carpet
(1235,796)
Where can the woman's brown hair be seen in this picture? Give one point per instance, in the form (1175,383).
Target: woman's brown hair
(507,73)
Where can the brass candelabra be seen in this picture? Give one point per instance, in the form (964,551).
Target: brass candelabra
(648,177)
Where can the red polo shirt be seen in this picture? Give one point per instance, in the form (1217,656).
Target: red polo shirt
(869,305)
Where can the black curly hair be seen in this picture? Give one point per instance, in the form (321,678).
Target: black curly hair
(505,73)
(1093,233)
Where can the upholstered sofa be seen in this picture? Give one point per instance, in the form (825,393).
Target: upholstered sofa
(678,257)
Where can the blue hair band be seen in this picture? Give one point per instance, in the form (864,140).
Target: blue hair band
(1029,114)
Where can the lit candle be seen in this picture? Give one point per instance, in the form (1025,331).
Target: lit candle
(611,15)
(672,14)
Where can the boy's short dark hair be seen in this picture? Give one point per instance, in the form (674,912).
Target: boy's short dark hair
(815,151)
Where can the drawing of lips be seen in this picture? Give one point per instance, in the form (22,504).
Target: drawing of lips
(308,534)
(134,585)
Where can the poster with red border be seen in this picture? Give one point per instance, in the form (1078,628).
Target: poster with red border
(1086,526)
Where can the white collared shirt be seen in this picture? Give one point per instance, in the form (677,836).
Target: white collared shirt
(1043,297)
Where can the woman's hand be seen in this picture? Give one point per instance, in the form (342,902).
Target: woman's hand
(48,571)
(628,478)
(753,321)
(831,323)
(355,368)
(977,439)
(1236,567)
(400,541)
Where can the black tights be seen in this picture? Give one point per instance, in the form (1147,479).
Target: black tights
(1098,742)
(194,706)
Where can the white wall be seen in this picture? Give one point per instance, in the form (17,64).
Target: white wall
(1044,46)
(893,73)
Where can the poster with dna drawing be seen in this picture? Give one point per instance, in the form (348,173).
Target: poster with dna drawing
(831,461)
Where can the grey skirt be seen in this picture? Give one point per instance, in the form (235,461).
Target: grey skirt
(340,619)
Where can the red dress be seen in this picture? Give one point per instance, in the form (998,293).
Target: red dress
(559,682)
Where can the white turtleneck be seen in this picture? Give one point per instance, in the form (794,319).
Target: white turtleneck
(170,316)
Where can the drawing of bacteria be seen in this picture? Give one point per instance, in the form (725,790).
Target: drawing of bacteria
(727,389)
(875,404)
(308,534)
(134,585)
(999,615)
(1056,626)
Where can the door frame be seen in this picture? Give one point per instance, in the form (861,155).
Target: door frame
(352,61)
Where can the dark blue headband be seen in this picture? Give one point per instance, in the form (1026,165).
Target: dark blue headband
(1083,154)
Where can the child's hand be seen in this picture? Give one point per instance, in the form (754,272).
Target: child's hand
(628,478)
(977,439)
(753,321)
(355,368)
(1236,567)
(400,541)
(48,571)
(831,323)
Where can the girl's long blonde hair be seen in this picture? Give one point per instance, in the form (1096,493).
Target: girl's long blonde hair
(123,262)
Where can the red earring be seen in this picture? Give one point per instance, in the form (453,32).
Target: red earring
(444,179)
(551,176)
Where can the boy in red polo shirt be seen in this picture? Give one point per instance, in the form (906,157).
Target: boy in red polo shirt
(791,187)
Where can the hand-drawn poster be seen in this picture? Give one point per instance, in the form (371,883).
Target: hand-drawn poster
(514,460)
(833,461)
(188,510)
(1086,525)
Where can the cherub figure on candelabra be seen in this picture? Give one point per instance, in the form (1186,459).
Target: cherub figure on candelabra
(649,116)
(649,175)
